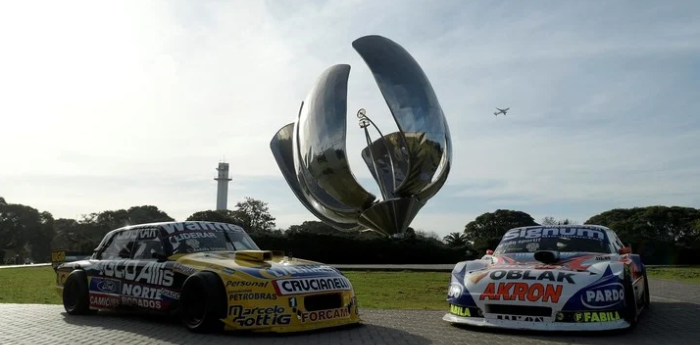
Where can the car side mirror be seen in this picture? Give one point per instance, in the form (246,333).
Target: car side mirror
(489,252)
(625,250)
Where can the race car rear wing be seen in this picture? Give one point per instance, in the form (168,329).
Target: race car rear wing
(61,256)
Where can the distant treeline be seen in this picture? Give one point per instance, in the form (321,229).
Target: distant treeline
(662,235)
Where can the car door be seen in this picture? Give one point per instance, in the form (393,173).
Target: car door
(105,284)
(146,275)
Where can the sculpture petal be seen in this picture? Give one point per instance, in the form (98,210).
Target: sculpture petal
(283,151)
(414,106)
(391,216)
(391,156)
(321,160)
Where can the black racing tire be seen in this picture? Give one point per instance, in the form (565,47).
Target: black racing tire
(203,303)
(631,310)
(76,298)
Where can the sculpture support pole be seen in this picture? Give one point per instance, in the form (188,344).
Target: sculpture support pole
(364,123)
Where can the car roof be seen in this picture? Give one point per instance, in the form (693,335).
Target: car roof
(585,226)
(160,224)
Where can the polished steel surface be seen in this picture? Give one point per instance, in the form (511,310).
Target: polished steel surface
(322,157)
(414,106)
(391,159)
(283,151)
(410,165)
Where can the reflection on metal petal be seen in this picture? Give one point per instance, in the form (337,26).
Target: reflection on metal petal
(414,106)
(391,157)
(410,165)
(391,216)
(283,151)
(321,161)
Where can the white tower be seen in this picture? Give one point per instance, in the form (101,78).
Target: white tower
(222,189)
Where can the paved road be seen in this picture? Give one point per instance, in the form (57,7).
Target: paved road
(673,318)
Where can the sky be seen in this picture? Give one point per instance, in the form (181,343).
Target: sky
(108,105)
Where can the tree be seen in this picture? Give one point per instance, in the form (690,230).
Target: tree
(487,229)
(456,239)
(2,201)
(552,221)
(654,223)
(147,214)
(312,227)
(254,215)
(220,216)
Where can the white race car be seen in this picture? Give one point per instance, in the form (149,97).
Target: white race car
(559,278)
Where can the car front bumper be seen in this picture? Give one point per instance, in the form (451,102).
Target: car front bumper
(537,326)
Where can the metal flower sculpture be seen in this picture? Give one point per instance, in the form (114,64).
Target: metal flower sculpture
(409,165)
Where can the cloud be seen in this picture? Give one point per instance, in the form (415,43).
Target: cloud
(109,105)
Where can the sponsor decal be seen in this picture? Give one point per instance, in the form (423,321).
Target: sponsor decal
(310,285)
(298,270)
(242,283)
(325,315)
(604,296)
(58,256)
(257,316)
(201,226)
(188,271)
(228,270)
(132,234)
(170,294)
(246,296)
(520,318)
(476,277)
(141,302)
(597,316)
(522,292)
(459,310)
(551,276)
(105,285)
(193,235)
(141,291)
(455,290)
(103,301)
(581,232)
(154,273)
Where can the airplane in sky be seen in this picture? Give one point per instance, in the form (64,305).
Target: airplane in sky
(501,111)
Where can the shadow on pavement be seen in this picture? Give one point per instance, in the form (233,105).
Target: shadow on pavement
(168,329)
(662,323)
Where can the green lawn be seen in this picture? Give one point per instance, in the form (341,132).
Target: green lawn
(394,290)
(683,274)
(28,285)
(399,290)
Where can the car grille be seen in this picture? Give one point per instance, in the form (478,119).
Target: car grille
(518,310)
(323,302)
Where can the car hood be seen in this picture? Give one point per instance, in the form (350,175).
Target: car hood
(573,282)
(261,264)
(567,261)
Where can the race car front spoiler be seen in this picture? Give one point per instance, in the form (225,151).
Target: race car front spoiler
(537,326)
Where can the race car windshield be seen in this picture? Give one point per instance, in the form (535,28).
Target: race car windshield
(185,242)
(568,240)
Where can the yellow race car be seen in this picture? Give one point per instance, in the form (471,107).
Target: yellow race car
(212,275)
